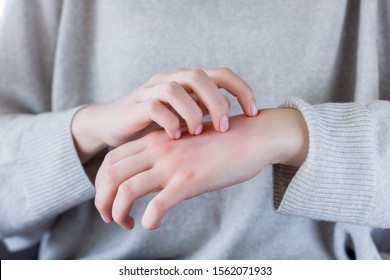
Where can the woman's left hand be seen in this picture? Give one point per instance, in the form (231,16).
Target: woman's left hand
(184,168)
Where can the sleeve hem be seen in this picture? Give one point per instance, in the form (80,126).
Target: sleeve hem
(337,180)
(54,179)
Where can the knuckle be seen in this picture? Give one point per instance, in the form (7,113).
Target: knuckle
(156,78)
(249,89)
(185,177)
(110,158)
(111,174)
(196,116)
(227,70)
(98,204)
(197,74)
(127,189)
(172,88)
(154,107)
(180,69)
(224,73)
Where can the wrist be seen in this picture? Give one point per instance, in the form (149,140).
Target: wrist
(291,137)
(85,132)
(284,136)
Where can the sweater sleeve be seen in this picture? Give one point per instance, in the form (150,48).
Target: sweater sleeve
(40,172)
(345,176)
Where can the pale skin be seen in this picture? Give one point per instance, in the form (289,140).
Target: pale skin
(188,92)
(182,168)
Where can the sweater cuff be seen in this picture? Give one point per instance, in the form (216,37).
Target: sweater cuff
(336,181)
(50,168)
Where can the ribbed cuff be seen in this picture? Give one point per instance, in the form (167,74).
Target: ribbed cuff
(336,182)
(50,168)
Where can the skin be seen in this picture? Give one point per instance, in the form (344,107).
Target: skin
(163,160)
(166,100)
(158,163)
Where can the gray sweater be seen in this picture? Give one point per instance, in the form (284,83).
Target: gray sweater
(58,55)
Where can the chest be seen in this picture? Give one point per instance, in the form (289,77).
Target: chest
(279,49)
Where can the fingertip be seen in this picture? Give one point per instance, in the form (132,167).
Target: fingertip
(198,130)
(253,109)
(224,124)
(157,226)
(153,226)
(172,134)
(128,224)
(178,134)
(149,223)
(107,220)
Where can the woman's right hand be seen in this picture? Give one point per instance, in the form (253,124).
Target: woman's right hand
(114,123)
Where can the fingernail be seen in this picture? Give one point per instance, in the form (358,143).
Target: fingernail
(125,227)
(105,219)
(129,224)
(254,109)
(198,130)
(178,134)
(224,124)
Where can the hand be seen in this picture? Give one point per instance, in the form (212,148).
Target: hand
(194,165)
(114,123)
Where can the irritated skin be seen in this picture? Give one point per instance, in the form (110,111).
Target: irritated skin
(212,155)
(212,160)
(168,100)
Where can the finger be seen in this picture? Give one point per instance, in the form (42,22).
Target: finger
(201,105)
(198,82)
(164,118)
(128,192)
(131,148)
(174,94)
(112,176)
(117,154)
(235,85)
(168,198)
